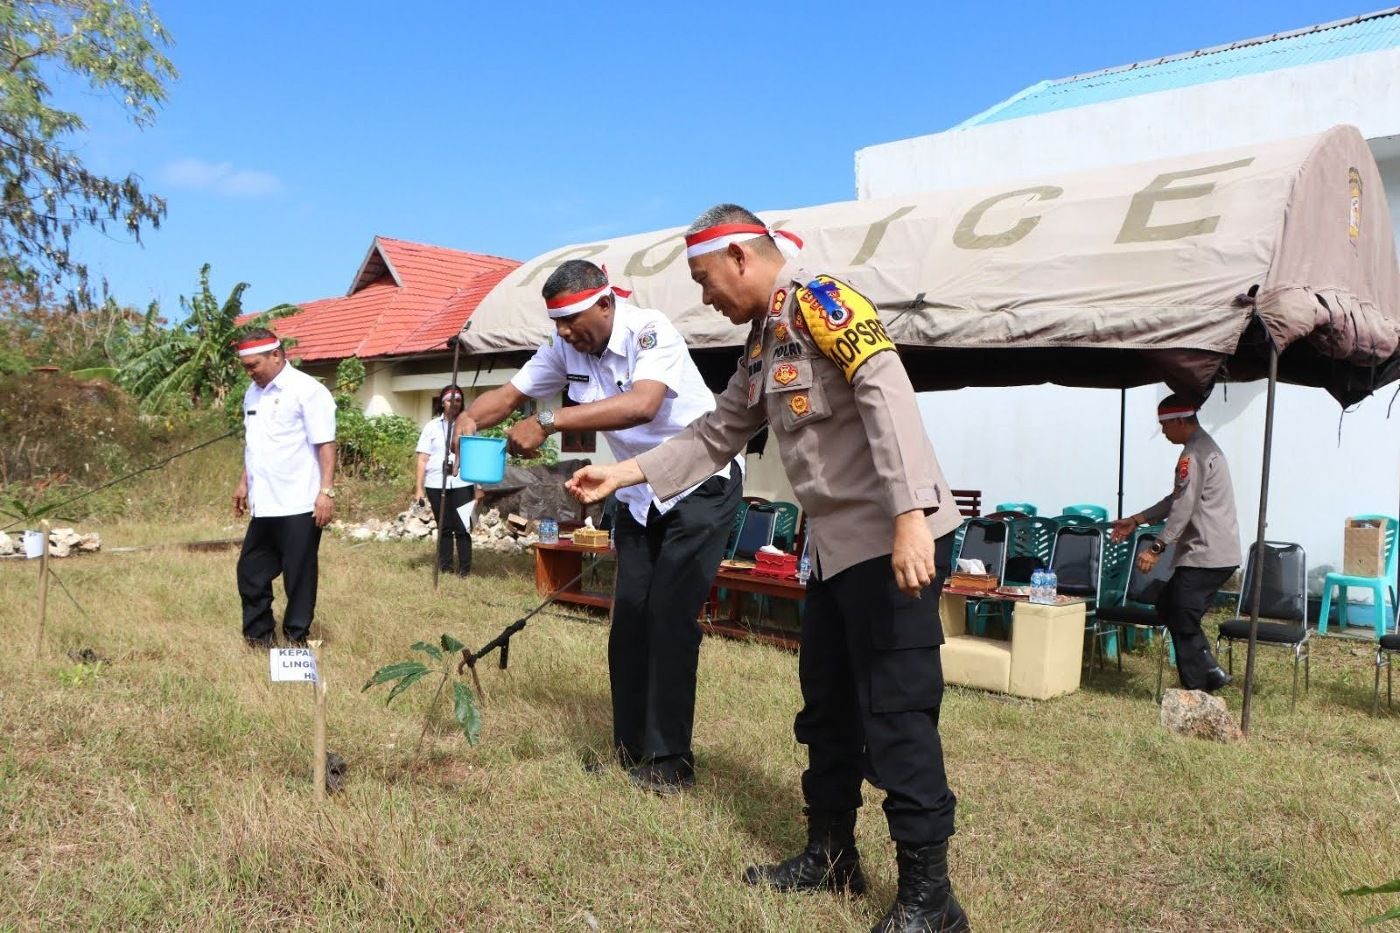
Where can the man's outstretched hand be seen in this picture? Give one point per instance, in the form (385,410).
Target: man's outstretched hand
(592,484)
(595,483)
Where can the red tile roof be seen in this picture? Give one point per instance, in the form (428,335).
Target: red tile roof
(406,298)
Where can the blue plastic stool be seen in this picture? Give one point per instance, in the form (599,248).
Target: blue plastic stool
(1379,586)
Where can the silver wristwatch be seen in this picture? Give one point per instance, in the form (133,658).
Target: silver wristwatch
(545,416)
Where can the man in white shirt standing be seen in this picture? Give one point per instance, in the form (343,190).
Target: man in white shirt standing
(629,372)
(288,485)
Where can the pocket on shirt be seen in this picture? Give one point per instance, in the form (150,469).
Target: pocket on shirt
(796,394)
(589,391)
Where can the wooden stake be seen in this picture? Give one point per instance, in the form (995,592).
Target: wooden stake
(43,590)
(318,766)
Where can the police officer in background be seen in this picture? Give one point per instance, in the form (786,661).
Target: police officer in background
(629,372)
(820,369)
(288,484)
(1200,514)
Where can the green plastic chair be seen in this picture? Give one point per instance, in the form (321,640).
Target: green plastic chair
(1379,586)
(1024,508)
(1093,512)
(785,527)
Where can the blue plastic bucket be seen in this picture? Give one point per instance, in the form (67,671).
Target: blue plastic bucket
(481,459)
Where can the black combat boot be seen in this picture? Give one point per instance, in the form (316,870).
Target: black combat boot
(924,901)
(829,863)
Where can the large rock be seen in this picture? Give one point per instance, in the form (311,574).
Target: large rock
(1199,715)
(537,492)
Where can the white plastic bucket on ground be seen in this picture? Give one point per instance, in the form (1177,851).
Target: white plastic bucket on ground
(33,544)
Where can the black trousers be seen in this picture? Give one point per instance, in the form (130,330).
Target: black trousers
(872,686)
(664,572)
(451,532)
(1180,606)
(284,545)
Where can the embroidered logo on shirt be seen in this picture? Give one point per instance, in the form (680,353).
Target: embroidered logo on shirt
(779,297)
(756,350)
(1183,471)
(800,404)
(785,374)
(578,377)
(646,340)
(780,333)
(787,350)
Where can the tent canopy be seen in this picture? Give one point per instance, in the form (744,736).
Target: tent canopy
(1178,270)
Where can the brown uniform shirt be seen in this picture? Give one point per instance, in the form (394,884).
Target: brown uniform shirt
(820,369)
(1200,511)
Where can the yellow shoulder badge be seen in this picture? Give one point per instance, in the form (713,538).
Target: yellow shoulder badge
(842,322)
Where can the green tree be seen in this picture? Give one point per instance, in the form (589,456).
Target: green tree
(193,361)
(112,46)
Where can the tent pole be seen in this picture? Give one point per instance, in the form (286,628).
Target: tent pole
(1257,587)
(1122,443)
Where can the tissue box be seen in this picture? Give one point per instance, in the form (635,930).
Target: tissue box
(780,566)
(1363,548)
(973,582)
(590,537)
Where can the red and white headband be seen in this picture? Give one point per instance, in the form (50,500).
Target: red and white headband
(721,235)
(1175,411)
(257,345)
(574,302)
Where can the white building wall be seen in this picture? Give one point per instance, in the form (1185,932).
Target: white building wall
(1053,445)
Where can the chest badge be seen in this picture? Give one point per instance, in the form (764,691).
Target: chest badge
(785,374)
(800,404)
(779,297)
(780,333)
(756,350)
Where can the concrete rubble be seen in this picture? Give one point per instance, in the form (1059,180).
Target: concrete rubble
(63,542)
(491,531)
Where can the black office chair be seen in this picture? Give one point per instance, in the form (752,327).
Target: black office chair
(1139,607)
(1283,600)
(1386,649)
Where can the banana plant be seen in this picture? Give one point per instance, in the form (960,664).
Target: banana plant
(404,674)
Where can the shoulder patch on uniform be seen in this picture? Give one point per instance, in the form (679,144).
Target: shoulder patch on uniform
(779,297)
(842,322)
(646,339)
(1183,470)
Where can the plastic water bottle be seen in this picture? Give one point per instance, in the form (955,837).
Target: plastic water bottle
(804,569)
(548,531)
(1038,585)
(1052,585)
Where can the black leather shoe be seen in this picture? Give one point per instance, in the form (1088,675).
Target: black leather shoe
(830,862)
(664,777)
(924,900)
(1216,679)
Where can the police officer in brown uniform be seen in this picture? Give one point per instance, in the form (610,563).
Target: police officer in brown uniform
(1200,514)
(819,368)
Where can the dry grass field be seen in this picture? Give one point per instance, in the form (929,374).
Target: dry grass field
(169,788)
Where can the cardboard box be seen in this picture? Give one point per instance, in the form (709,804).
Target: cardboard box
(1363,548)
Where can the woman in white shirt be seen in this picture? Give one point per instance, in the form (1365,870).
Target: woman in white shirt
(432,445)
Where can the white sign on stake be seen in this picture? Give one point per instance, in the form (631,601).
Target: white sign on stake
(297,665)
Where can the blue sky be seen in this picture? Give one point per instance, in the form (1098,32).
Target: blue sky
(298,131)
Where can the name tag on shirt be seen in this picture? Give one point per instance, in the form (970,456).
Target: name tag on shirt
(578,377)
